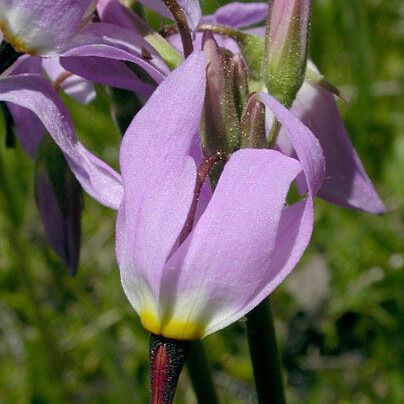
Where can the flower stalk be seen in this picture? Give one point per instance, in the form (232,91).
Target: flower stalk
(182,24)
(167,358)
(200,374)
(264,355)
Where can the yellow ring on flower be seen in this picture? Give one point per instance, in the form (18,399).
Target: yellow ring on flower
(13,40)
(174,328)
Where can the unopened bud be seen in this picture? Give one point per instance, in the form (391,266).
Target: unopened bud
(252,47)
(58,198)
(253,124)
(220,127)
(286,48)
(240,80)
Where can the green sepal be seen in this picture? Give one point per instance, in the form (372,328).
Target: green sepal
(252,48)
(220,125)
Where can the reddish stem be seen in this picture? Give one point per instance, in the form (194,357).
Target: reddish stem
(202,172)
(167,357)
(61,79)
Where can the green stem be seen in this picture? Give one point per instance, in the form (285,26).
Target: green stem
(236,34)
(200,374)
(264,355)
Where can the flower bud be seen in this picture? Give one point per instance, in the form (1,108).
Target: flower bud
(220,127)
(58,198)
(286,48)
(253,124)
(252,47)
(240,80)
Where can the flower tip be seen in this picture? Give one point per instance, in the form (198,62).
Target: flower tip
(167,357)
(379,209)
(72,267)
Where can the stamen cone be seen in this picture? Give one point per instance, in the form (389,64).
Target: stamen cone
(167,357)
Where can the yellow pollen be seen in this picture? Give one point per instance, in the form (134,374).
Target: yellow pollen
(174,328)
(13,40)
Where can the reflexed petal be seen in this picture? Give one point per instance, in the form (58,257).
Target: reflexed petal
(25,64)
(306,145)
(109,72)
(222,41)
(61,221)
(158,6)
(77,87)
(41,26)
(345,182)
(29,128)
(113,12)
(112,42)
(239,15)
(294,233)
(34,93)
(226,264)
(191,9)
(159,178)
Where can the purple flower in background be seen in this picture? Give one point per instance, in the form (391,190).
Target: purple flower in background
(75,86)
(57,192)
(29,128)
(33,93)
(42,27)
(64,28)
(190,8)
(193,262)
(58,198)
(346,182)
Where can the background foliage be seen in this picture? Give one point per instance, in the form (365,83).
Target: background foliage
(68,339)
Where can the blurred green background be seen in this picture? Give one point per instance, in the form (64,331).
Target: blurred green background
(338,316)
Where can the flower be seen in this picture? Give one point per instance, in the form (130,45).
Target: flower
(58,198)
(345,182)
(42,26)
(239,243)
(64,29)
(57,193)
(33,93)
